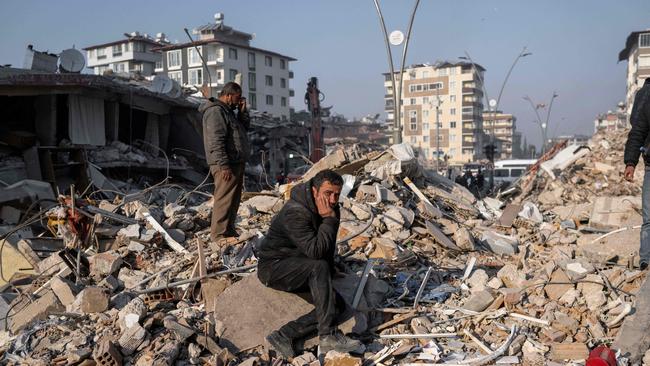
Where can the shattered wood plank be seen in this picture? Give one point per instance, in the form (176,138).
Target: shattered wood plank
(429,206)
(170,241)
(633,338)
(396,320)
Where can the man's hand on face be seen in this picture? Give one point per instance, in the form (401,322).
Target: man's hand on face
(226,174)
(629,173)
(325,209)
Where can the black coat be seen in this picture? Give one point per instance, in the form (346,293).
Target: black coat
(299,231)
(225,135)
(640,121)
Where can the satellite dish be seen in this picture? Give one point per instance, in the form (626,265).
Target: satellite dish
(71,60)
(175,91)
(161,84)
(493,103)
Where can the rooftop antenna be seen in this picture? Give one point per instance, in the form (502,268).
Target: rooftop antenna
(205,66)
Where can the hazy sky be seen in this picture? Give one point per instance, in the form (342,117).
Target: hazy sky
(575,43)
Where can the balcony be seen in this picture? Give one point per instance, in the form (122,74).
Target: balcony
(471,90)
(470,117)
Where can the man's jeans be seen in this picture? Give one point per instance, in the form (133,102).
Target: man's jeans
(644,250)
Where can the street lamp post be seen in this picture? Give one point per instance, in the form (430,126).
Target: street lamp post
(439,102)
(524,52)
(397,95)
(542,125)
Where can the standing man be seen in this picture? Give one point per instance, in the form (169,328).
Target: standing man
(297,255)
(225,137)
(637,140)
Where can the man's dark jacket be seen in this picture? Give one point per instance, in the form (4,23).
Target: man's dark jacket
(640,121)
(299,231)
(225,135)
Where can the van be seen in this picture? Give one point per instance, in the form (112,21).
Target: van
(508,171)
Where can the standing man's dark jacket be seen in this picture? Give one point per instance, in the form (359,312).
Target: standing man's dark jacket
(299,231)
(640,121)
(225,135)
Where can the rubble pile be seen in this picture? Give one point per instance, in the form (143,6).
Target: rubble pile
(429,273)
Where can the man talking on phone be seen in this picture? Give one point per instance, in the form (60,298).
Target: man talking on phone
(297,255)
(225,137)
(638,142)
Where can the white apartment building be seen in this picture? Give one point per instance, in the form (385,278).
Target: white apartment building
(129,55)
(501,127)
(227,52)
(637,55)
(612,120)
(456,88)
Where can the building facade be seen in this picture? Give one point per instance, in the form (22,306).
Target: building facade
(450,93)
(265,75)
(133,54)
(501,127)
(612,121)
(637,55)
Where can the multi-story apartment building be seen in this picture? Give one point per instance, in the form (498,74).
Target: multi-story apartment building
(611,120)
(500,126)
(455,91)
(228,52)
(129,55)
(637,55)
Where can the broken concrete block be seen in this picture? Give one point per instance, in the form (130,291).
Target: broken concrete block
(304,359)
(593,292)
(384,248)
(131,313)
(173,209)
(511,277)
(500,244)
(180,331)
(131,231)
(104,264)
(106,354)
(265,204)
(464,239)
(333,358)
(131,339)
(135,246)
(394,220)
(91,299)
(361,213)
(111,283)
(65,290)
(578,270)
(130,277)
(569,351)
(495,283)
(177,234)
(37,310)
(615,212)
(569,297)
(478,280)
(479,301)
(554,292)
(565,323)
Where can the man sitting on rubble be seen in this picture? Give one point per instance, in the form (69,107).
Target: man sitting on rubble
(297,255)
(638,141)
(225,136)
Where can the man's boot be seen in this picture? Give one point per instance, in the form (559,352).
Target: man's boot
(337,342)
(281,343)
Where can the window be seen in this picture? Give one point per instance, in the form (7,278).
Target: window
(516,172)
(283,83)
(452,138)
(425,126)
(414,139)
(252,81)
(193,56)
(644,61)
(101,53)
(138,47)
(283,101)
(126,47)
(269,100)
(439,124)
(452,111)
(413,101)
(425,139)
(452,85)
(644,40)
(268,61)
(268,80)
(452,98)
(233,74)
(452,124)
(232,53)
(415,88)
(174,58)
(195,76)
(159,64)
(120,68)
(425,113)
(413,120)
(425,100)
(283,64)
(452,152)
(252,99)
(177,76)
(442,72)
(251,60)
(117,50)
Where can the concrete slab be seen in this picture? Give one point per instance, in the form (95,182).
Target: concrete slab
(633,338)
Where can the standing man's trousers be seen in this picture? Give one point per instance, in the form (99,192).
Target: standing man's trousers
(227,196)
(644,250)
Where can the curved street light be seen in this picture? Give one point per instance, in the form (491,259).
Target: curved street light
(397,98)
(542,125)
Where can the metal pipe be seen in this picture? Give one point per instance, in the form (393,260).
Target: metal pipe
(397,133)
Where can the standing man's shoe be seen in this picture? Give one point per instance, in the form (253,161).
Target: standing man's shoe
(338,342)
(282,344)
